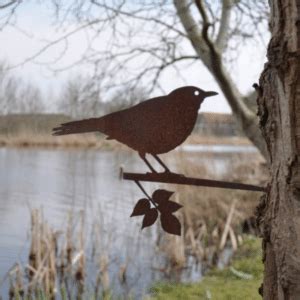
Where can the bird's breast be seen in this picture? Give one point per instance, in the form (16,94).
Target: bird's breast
(155,128)
(173,130)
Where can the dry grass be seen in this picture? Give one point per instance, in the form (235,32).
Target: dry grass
(32,123)
(35,130)
(27,139)
(212,218)
(57,263)
(212,140)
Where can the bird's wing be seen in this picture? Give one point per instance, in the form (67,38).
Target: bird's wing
(113,124)
(135,126)
(141,118)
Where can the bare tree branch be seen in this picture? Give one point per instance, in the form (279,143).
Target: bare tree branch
(145,38)
(192,29)
(53,43)
(213,61)
(205,26)
(9,4)
(118,11)
(223,33)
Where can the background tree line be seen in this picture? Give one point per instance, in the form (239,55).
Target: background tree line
(143,39)
(78,97)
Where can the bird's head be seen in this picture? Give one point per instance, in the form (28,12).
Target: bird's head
(192,93)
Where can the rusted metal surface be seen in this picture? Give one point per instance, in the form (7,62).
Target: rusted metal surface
(179,179)
(155,126)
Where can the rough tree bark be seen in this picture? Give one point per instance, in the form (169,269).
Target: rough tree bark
(279,111)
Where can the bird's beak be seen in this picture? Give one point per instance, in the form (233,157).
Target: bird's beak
(209,94)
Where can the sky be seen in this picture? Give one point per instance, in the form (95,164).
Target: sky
(35,25)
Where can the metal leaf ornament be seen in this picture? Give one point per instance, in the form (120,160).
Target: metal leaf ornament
(162,205)
(150,217)
(170,223)
(153,127)
(142,207)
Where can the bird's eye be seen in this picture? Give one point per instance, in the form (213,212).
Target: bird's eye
(196,93)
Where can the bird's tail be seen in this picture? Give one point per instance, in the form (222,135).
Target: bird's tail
(82,126)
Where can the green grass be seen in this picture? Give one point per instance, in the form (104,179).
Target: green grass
(222,284)
(217,284)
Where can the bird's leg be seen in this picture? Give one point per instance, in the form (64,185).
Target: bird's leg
(143,157)
(161,163)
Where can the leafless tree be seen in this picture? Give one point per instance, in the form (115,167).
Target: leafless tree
(125,97)
(79,98)
(9,90)
(16,96)
(30,99)
(135,42)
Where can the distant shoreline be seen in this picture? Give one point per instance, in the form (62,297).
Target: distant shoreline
(34,130)
(92,141)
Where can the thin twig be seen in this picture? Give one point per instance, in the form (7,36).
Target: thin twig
(8,4)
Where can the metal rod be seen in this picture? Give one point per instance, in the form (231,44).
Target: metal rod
(180,179)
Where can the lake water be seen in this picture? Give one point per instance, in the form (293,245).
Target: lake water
(62,180)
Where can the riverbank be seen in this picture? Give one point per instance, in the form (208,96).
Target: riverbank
(36,131)
(240,280)
(81,180)
(29,139)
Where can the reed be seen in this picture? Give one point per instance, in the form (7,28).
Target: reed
(212,218)
(198,138)
(29,139)
(56,263)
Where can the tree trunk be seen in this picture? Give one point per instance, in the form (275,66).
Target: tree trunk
(278,214)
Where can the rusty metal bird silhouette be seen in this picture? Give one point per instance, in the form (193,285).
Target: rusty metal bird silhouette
(154,126)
